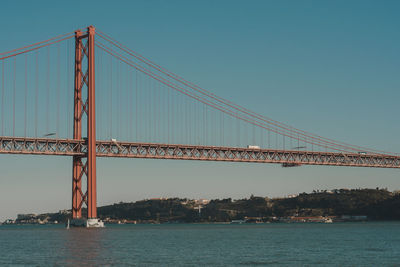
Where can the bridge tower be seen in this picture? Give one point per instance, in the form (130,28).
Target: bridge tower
(84,108)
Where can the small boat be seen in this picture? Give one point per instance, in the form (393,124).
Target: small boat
(237,221)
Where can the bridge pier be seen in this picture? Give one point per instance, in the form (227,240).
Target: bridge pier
(88,223)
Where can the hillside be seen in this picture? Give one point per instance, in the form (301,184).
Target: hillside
(376,204)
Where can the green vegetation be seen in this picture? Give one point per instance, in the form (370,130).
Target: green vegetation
(168,210)
(377,204)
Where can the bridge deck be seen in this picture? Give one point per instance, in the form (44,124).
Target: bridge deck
(68,147)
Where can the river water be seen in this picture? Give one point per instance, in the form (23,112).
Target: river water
(336,244)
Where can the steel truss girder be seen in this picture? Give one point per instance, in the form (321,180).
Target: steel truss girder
(41,146)
(67,147)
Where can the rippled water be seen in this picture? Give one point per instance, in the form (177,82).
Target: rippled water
(337,244)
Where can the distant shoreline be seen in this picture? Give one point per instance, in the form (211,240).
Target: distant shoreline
(214,223)
(339,205)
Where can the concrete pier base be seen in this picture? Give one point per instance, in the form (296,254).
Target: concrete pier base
(88,223)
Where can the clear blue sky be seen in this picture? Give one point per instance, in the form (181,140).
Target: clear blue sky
(328,67)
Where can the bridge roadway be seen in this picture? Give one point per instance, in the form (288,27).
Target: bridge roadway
(68,147)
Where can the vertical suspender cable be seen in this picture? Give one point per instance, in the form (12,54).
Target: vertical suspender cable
(150,103)
(238,132)
(291,142)
(131,116)
(14,93)
(180,115)
(298,141)
(48,91)
(111,89)
(160,105)
(172,118)
(244,131)
(118,100)
(36,93)
(138,111)
(222,127)
(58,92)
(98,94)
(154,110)
(2,98)
(128,106)
(67,90)
(283,137)
(136,106)
(168,94)
(204,124)
(153,103)
(187,121)
(25,95)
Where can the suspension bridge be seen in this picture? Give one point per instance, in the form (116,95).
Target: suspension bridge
(56,99)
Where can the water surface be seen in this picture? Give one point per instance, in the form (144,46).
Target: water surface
(337,244)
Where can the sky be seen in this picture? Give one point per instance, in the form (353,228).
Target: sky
(327,67)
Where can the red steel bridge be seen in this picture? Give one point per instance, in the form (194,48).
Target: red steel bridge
(57,100)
